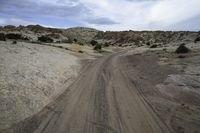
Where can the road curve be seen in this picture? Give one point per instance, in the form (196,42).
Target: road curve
(103,100)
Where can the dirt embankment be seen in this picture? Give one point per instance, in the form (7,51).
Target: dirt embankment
(170,83)
(31,76)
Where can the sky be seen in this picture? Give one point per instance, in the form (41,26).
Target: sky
(112,15)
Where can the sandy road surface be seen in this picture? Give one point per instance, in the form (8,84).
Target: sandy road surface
(102,100)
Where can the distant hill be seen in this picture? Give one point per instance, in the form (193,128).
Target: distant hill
(86,35)
(145,37)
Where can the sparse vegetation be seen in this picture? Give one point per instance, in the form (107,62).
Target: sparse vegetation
(154,46)
(10,27)
(106,44)
(182,49)
(80,43)
(164,49)
(2,37)
(80,51)
(45,39)
(14,42)
(197,39)
(181,56)
(75,40)
(98,47)
(15,36)
(59,46)
(58,41)
(148,43)
(94,43)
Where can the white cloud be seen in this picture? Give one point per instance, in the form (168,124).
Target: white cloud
(144,14)
(108,14)
(174,11)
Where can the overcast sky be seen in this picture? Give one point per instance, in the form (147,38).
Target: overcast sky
(104,14)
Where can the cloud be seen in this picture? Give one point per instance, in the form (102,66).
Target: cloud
(174,11)
(141,0)
(105,14)
(42,8)
(148,14)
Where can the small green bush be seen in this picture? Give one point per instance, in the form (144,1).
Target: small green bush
(148,43)
(45,39)
(14,42)
(75,40)
(182,49)
(106,44)
(93,42)
(197,39)
(15,36)
(181,56)
(2,37)
(164,49)
(154,46)
(80,43)
(97,47)
(59,46)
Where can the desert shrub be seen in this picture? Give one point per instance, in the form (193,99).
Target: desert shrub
(181,56)
(9,27)
(45,39)
(106,44)
(93,42)
(58,41)
(197,39)
(14,42)
(182,49)
(164,49)
(2,37)
(59,46)
(53,45)
(35,42)
(148,43)
(97,47)
(80,51)
(75,40)
(153,46)
(80,43)
(15,36)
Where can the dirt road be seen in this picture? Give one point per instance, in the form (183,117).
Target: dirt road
(102,100)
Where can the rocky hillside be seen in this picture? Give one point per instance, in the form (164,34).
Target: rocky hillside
(139,38)
(86,35)
(33,32)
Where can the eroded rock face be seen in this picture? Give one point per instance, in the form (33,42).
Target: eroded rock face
(31,76)
(181,94)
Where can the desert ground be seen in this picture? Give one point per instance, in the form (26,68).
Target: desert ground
(72,88)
